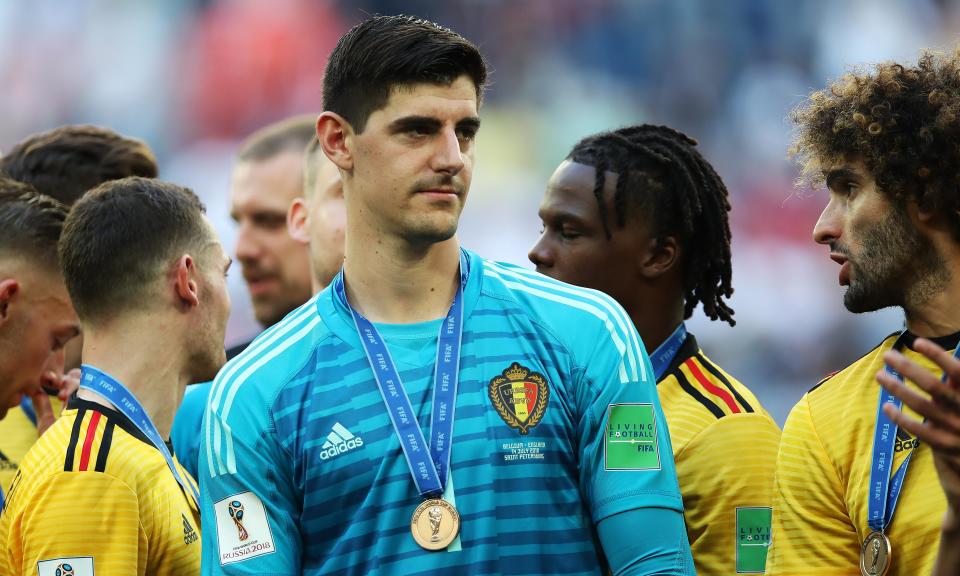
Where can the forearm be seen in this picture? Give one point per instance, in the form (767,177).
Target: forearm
(948,556)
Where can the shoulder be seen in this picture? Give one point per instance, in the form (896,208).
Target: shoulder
(255,376)
(854,380)
(700,385)
(544,298)
(584,320)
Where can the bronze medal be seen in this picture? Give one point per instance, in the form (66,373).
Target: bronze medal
(875,554)
(435,524)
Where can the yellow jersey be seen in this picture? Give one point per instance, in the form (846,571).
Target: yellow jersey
(823,473)
(18,432)
(725,447)
(94,496)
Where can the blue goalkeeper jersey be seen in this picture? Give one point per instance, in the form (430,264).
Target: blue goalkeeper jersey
(557,427)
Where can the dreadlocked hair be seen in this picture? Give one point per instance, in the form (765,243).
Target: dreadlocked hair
(662,174)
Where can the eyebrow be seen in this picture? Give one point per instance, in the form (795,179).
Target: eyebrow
(410,122)
(843,173)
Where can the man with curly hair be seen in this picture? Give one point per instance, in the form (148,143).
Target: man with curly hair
(853,491)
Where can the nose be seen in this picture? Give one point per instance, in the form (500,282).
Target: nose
(53,368)
(829,226)
(448,157)
(248,249)
(540,254)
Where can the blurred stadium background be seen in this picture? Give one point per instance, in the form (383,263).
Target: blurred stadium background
(193,77)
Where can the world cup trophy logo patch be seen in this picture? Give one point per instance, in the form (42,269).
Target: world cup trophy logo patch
(64,570)
(520,397)
(236,513)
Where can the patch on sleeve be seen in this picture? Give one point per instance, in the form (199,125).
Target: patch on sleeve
(753,538)
(630,439)
(73,566)
(243,531)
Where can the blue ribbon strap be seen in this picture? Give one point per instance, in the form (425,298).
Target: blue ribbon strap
(885,492)
(663,356)
(429,463)
(126,403)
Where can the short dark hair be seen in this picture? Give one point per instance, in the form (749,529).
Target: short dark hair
(292,134)
(387,51)
(67,161)
(118,237)
(679,194)
(30,223)
(903,121)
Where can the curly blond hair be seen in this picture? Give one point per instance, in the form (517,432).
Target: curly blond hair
(903,122)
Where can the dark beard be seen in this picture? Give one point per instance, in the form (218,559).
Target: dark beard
(898,266)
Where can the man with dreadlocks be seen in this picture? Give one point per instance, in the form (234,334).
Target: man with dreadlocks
(886,142)
(639,214)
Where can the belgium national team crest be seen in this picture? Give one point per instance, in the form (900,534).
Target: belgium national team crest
(520,397)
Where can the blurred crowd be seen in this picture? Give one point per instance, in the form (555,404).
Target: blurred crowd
(193,77)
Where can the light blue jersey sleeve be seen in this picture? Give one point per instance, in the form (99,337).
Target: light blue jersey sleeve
(187,425)
(663,551)
(625,451)
(249,493)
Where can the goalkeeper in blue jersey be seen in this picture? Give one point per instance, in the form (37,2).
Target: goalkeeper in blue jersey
(432,411)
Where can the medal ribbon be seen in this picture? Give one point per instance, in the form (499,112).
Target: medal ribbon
(884,491)
(429,464)
(663,356)
(125,402)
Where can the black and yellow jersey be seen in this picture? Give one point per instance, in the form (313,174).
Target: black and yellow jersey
(823,475)
(93,495)
(18,432)
(725,446)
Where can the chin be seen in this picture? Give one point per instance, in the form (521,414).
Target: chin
(859,301)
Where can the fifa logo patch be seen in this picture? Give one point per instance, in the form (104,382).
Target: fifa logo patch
(630,438)
(76,566)
(520,397)
(753,538)
(339,440)
(243,531)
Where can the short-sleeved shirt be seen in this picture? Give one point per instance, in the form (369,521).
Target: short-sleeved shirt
(94,496)
(725,447)
(823,473)
(557,427)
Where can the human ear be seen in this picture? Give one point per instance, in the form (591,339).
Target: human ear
(298,221)
(659,257)
(334,134)
(185,284)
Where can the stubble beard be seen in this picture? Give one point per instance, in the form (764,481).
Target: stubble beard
(898,266)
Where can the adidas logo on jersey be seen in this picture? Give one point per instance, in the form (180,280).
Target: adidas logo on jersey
(339,440)
(189,534)
(905,441)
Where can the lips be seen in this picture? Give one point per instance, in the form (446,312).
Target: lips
(844,275)
(259,285)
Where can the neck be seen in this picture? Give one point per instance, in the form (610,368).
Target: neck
(396,283)
(148,367)
(938,315)
(655,318)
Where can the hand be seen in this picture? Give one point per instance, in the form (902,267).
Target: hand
(66,386)
(941,412)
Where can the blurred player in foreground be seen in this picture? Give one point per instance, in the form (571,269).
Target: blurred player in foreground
(36,315)
(315,458)
(853,490)
(639,214)
(100,492)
